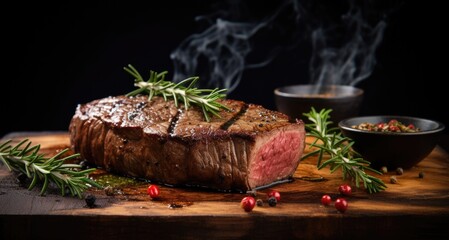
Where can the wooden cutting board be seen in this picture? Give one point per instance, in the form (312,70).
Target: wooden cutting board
(413,207)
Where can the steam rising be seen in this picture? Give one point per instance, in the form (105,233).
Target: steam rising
(224,45)
(222,49)
(351,62)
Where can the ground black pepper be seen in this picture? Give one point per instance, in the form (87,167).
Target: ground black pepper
(90,200)
(421,175)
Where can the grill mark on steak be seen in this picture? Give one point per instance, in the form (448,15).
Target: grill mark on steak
(173,123)
(236,117)
(192,124)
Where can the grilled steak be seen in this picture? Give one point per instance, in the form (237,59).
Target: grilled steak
(248,147)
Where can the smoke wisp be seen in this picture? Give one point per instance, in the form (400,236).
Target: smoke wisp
(219,54)
(222,49)
(353,60)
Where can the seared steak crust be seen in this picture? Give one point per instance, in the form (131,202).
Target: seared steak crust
(248,147)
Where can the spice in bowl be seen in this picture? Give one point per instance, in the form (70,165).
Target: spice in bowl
(390,126)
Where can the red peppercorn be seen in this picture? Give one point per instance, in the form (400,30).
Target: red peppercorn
(275,194)
(394,128)
(153,191)
(341,205)
(411,126)
(248,203)
(326,200)
(345,189)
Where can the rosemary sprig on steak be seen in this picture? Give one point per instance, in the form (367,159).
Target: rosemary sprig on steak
(330,141)
(206,99)
(26,159)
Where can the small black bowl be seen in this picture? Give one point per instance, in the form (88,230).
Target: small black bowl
(393,149)
(295,100)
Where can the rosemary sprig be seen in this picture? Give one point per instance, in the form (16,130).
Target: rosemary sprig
(26,159)
(330,141)
(157,85)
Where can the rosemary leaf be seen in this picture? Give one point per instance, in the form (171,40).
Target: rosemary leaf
(26,159)
(206,99)
(331,142)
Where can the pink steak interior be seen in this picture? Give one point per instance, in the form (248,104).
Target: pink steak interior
(276,158)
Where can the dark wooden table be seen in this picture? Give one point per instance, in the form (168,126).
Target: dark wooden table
(416,208)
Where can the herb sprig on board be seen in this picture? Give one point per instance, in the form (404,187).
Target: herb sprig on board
(331,142)
(26,159)
(183,91)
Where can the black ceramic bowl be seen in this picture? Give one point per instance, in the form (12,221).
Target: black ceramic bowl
(294,100)
(393,149)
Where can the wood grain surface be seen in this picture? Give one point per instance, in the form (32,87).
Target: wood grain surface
(416,208)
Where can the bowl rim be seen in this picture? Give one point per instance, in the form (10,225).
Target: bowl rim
(440,126)
(357,92)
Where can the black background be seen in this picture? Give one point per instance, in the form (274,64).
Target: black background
(57,56)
